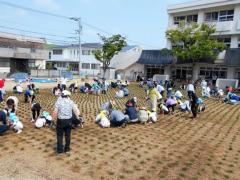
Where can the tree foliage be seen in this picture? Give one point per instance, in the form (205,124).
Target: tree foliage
(194,42)
(111,46)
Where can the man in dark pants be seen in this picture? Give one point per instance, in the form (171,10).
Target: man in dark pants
(194,104)
(64,109)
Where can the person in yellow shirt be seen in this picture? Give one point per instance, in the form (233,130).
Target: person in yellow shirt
(153,96)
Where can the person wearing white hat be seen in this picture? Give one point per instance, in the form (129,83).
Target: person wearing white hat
(63,112)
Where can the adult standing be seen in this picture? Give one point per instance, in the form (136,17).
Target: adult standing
(64,109)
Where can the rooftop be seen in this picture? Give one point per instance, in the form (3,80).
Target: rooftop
(200,4)
(84,45)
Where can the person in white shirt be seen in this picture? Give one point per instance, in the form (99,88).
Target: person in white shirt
(178,95)
(160,89)
(204,87)
(185,106)
(102,119)
(63,83)
(40,122)
(190,89)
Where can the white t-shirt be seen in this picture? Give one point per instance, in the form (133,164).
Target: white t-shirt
(190,87)
(19,89)
(160,88)
(64,81)
(178,94)
(185,106)
(40,122)
(204,84)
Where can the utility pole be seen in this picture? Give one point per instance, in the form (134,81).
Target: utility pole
(79,31)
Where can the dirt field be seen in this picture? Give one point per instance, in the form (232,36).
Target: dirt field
(176,147)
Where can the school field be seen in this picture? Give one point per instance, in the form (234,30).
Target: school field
(176,147)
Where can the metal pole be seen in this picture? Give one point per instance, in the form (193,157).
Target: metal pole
(79,31)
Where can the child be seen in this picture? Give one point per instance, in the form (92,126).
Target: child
(184,106)
(163,108)
(102,119)
(36,108)
(131,113)
(15,123)
(43,120)
(11,105)
(104,87)
(152,117)
(178,95)
(143,115)
(154,96)
(29,96)
(96,88)
(171,103)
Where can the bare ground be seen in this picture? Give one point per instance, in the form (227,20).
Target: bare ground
(176,147)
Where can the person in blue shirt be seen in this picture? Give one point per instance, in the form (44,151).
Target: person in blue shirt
(125,89)
(117,119)
(29,96)
(131,112)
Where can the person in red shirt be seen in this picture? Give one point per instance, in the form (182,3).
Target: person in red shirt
(2,82)
(229,89)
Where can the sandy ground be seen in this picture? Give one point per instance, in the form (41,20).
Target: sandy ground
(176,147)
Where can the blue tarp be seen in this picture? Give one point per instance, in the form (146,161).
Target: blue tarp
(67,74)
(20,77)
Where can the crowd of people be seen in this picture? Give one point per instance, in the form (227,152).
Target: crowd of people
(162,98)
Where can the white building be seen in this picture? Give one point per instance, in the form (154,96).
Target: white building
(67,57)
(20,53)
(225,15)
(125,62)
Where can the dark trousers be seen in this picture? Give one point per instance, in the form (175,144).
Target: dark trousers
(194,109)
(3,128)
(104,92)
(172,107)
(162,93)
(29,96)
(64,87)
(64,126)
(118,123)
(190,93)
(1,96)
(35,114)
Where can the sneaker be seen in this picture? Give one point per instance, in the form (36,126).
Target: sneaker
(32,120)
(124,125)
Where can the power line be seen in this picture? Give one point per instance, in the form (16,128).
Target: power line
(67,18)
(33,32)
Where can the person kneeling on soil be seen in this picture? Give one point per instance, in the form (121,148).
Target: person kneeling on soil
(11,105)
(102,119)
(178,95)
(46,118)
(117,118)
(131,113)
(119,94)
(73,87)
(201,105)
(36,108)
(15,123)
(29,96)
(171,103)
(3,120)
(125,89)
(152,116)
(96,88)
(143,115)
(184,106)
(163,108)
(194,104)
(77,121)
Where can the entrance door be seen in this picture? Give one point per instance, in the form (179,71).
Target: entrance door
(18,65)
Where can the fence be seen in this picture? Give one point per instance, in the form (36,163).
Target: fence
(44,73)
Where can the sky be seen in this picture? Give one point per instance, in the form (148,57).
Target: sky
(142,22)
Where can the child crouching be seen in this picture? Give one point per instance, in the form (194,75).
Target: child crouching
(46,118)
(102,119)
(15,123)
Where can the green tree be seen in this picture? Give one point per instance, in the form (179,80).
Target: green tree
(111,46)
(194,42)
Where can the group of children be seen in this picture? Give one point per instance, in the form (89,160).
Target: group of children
(111,116)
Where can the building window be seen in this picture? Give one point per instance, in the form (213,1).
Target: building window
(227,15)
(188,19)
(49,55)
(209,72)
(85,65)
(95,66)
(86,52)
(61,64)
(57,52)
(4,63)
(226,41)
(31,63)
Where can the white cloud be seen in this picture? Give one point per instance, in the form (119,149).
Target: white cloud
(49,4)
